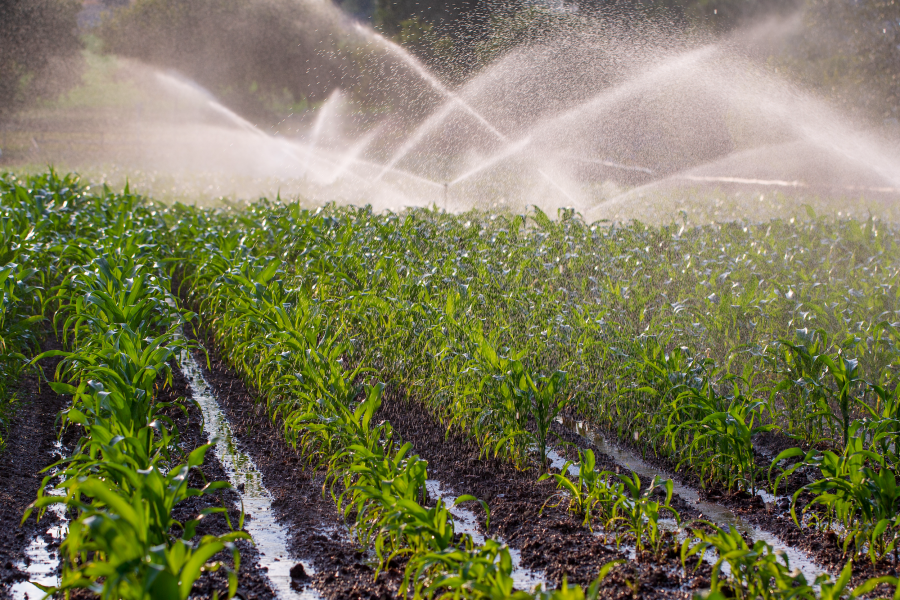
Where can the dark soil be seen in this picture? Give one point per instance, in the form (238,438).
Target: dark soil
(317,532)
(30,448)
(252,581)
(553,541)
(822,547)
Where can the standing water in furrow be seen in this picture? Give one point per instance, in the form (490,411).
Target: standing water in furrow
(713,512)
(43,561)
(269,536)
(465,522)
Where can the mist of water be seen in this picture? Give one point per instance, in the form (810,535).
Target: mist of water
(613,122)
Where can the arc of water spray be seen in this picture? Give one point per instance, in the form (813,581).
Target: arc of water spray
(353,158)
(189,88)
(290,148)
(557,186)
(353,154)
(433,81)
(433,121)
(319,123)
(745,180)
(453,100)
(779,183)
(595,102)
(648,79)
(509,151)
(606,163)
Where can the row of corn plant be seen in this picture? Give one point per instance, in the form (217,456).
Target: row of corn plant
(486,317)
(453,323)
(22,263)
(620,503)
(756,571)
(109,300)
(685,342)
(297,355)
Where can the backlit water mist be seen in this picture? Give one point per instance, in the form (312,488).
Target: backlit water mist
(616,125)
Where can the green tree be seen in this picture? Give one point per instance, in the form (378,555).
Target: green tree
(258,56)
(35,35)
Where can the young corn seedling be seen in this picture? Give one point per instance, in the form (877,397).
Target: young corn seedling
(864,501)
(640,512)
(593,495)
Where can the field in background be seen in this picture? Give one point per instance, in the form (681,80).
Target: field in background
(755,366)
(124,123)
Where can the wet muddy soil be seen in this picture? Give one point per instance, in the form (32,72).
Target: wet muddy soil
(252,581)
(30,445)
(822,547)
(554,541)
(317,533)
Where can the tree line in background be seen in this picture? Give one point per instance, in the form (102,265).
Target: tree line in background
(269,57)
(846,50)
(38,41)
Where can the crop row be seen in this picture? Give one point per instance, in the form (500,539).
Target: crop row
(486,317)
(110,304)
(22,258)
(297,357)
(470,315)
(687,343)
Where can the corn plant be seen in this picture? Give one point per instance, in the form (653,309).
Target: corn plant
(639,512)
(577,593)
(720,445)
(593,495)
(802,385)
(758,571)
(124,478)
(121,546)
(853,494)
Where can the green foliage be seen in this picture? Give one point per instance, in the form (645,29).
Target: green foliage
(683,343)
(864,501)
(758,572)
(617,501)
(99,256)
(121,545)
(719,437)
(640,512)
(593,495)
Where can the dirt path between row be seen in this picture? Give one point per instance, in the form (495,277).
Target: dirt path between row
(30,448)
(555,543)
(316,530)
(252,581)
(823,547)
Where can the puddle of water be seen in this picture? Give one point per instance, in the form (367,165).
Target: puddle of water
(465,521)
(713,512)
(269,536)
(43,562)
(558,462)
